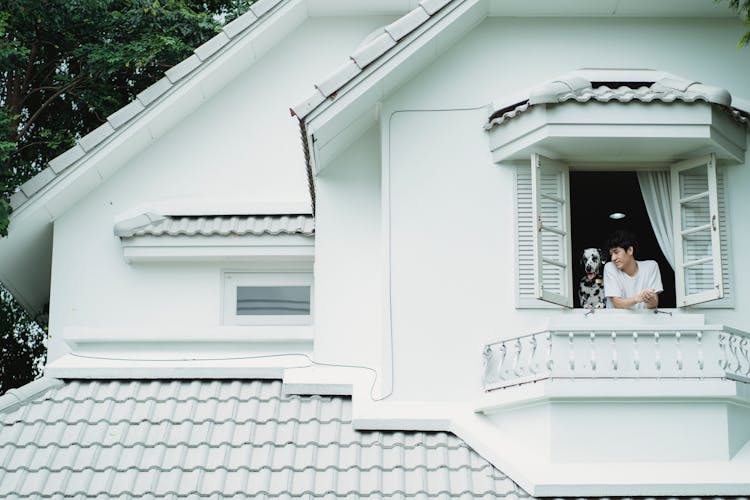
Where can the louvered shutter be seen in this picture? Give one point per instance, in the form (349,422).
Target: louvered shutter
(551,231)
(695,212)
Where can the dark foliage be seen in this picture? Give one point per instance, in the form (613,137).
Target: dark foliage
(65,65)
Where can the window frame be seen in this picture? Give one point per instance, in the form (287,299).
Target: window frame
(525,300)
(231,280)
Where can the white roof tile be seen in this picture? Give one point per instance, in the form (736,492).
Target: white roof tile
(338,78)
(61,162)
(240,24)
(37,182)
(93,138)
(120,439)
(432,6)
(182,69)
(223,225)
(210,47)
(153,92)
(404,25)
(260,7)
(582,91)
(125,114)
(368,52)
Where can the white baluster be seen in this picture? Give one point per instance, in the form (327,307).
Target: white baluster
(724,361)
(636,360)
(678,338)
(489,367)
(746,354)
(517,368)
(548,337)
(614,351)
(734,346)
(592,338)
(572,355)
(532,342)
(503,352)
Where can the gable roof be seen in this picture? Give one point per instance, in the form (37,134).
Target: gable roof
(259,12)
(27,249)
(220,438)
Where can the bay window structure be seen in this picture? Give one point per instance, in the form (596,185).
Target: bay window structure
(675,136)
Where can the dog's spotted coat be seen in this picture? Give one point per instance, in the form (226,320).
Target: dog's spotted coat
(591,285)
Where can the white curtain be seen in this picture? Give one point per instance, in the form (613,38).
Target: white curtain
(656,196)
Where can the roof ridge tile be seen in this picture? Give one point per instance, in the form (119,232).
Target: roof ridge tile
(240,24)
(62,161)
(183,68)
(211,46)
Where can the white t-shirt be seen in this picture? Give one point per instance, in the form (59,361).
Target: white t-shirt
(618,284)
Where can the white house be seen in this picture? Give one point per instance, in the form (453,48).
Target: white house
(375,296)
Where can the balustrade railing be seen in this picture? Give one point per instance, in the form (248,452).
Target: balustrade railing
(626,353)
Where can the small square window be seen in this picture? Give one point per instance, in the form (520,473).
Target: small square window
(267,298)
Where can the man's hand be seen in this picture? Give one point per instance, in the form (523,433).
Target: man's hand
(649,297)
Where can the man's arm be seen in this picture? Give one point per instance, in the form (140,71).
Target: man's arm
(649,297)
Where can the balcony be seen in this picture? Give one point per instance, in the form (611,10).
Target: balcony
(669,350)
(617,387)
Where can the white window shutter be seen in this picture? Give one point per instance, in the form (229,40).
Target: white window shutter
(695,212)
(551,236)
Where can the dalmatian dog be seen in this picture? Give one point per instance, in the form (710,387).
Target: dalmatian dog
(591,286)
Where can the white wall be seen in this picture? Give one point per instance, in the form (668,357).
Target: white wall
(451,231)
(242,145)
(348,263)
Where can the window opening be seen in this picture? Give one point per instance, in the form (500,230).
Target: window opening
(596,195)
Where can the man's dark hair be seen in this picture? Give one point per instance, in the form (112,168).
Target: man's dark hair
(621,238)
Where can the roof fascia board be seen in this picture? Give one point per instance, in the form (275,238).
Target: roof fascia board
(166,111)
(337,8)
(610,8)
(328,124)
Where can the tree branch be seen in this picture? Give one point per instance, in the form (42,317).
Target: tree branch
(46,103)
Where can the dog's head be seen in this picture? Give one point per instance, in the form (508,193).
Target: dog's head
(592,262)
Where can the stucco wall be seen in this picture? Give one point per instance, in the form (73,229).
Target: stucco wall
(451,233)
(348,257)
(242,145)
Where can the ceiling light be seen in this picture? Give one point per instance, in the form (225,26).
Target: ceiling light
(617,215)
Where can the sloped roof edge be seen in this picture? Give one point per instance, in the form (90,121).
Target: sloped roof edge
(377,46)
(258,14)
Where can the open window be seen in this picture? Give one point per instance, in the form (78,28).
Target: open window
(551,238)
(695,215)
(689,229)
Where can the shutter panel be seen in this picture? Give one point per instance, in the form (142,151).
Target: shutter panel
(551,231)
(728,300)
(695,209)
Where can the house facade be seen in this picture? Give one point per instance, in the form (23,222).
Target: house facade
(408,238)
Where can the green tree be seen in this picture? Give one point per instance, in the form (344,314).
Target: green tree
(65,65)
(22,345)
(742,8)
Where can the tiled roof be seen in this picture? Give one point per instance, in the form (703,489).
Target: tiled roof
(219,439)
(582,91)
(258,11)
(220,225)
(374,47)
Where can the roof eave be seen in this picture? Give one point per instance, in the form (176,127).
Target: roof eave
(337,117)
